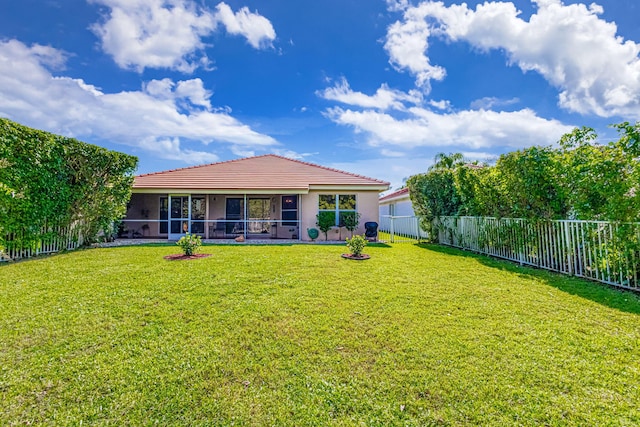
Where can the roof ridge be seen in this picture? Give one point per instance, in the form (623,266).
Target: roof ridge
(327,168)
(197,166)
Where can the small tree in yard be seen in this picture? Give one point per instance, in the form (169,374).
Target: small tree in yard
(356,245)
(189,244)
(350,220)
(325,220)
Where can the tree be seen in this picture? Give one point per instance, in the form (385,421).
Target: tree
(447,161)
(531,181)
(350,220)
(433,194)
(325,220)
(602,180)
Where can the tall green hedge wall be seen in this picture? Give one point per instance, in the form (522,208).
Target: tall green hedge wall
(578,179)
(49,180)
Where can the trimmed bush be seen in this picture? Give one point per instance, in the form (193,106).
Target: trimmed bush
(190,244)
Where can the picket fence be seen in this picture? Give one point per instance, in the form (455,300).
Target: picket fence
(588,249)
(54,239)
(398,229)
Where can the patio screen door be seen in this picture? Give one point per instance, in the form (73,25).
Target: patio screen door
(235,215)
(178,216)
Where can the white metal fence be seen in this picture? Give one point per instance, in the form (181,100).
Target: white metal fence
(397,229)
(597,250)
(53,240)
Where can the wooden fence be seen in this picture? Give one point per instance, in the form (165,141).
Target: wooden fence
(53,240)
(597,250)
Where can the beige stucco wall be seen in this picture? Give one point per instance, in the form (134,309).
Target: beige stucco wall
(366,205)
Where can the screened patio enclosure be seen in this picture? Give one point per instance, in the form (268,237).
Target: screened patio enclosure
(212,216)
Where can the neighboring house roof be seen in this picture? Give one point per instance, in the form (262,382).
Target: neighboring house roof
(266,173)
(474,166)
(403,193)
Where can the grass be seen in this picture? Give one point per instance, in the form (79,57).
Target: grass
(296,335)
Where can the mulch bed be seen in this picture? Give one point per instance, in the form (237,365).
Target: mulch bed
(358,258)
(180,257)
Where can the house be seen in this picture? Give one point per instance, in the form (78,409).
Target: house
(398,218)
(397,203)
(265,197)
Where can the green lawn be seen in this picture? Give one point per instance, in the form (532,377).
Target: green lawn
(296,335)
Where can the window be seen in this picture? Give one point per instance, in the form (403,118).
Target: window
(339,204)
(289,210)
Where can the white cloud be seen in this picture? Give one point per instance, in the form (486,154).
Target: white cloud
(384,98)
(188,92)
(390,153)
(157,118)
(480,156)
(406,45)
(255,28)
(441,105)
(490,102)
(170,149)
(141,34)
(473,129)
(595,71)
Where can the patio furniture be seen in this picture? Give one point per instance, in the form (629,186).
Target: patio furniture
(371,231)
(217,230)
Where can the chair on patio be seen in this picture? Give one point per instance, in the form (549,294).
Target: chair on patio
(371,231)
(217,230)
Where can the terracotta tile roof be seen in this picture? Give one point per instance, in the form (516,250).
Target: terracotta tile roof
(262,173)
(395,195)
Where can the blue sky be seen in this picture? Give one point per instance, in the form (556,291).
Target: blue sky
(372,87)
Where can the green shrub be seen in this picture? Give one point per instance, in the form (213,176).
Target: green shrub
(190,243)
(350,221)
(356,244)
(325,220)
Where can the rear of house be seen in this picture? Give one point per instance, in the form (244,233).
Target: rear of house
(264,197)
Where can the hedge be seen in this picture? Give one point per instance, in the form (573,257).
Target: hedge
(48,181)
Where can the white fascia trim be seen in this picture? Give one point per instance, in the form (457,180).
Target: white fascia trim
(352,188)
(222,192)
